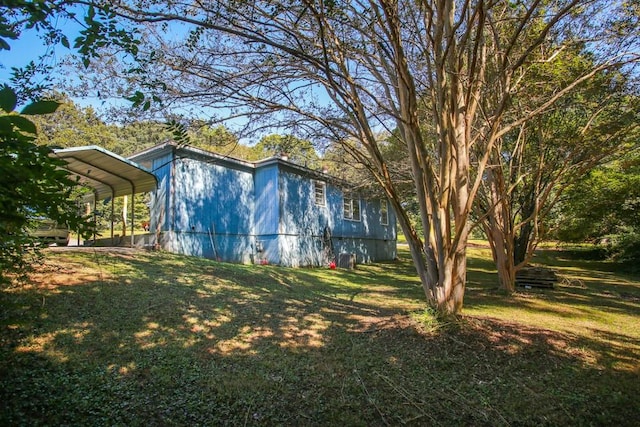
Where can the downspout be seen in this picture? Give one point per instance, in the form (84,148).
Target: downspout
(172,193)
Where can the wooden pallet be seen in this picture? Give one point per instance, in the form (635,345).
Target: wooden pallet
(536,277)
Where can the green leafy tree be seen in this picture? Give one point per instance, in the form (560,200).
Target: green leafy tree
(297,150)
(536,160)
(73,126)
(604,205)
(33,184)
(136,136)
(220,140)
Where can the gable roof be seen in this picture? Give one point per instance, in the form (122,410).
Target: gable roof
(109,174)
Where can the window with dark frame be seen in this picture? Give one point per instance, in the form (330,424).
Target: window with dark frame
(351,208)
(384,212)
(319,190)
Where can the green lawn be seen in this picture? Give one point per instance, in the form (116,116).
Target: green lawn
(148,338)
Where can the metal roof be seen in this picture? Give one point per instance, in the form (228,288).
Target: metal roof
(107,173)
(209,156)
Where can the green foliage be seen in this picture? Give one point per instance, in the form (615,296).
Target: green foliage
(624,247)
(137,136)
(540,158)
(72,126)
(602,202)
(604,207)
(298,150)
(428,319)
(217,138)
(43,17)
(33,184)
(103,28)
(179,132)
(6,32)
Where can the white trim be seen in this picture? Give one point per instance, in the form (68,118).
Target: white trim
(348,211)
(384,220)
(316,186)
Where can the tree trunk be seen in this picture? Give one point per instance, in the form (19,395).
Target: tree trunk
(499,230)
(502,258)
(521,244)
(450,292)
(442,271)
(441,187)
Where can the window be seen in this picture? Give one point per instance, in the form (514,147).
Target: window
(319,190)
(384,212)
(351,209)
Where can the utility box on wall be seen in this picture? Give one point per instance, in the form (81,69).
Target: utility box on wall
(347,261)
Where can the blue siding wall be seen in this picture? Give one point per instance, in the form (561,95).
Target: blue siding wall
(159,203)
(368,238)
(303,223)
(267,214)
(231,211)
(213,211)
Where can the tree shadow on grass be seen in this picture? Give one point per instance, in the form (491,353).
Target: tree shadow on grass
(585,289)
(183,341)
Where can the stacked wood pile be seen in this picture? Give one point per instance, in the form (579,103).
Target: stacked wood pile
(538,277)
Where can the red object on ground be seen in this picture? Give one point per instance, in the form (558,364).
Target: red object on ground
(332,265)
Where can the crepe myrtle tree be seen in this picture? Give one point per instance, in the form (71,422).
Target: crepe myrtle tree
(347,71)
(534,163)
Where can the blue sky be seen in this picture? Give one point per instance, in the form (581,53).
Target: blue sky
(27,48)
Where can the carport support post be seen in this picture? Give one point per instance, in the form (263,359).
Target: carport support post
(95,217)
(80,214)
(113,214)
(133,212)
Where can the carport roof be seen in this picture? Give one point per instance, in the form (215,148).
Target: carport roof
(107,173)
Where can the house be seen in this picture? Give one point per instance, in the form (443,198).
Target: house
(271,211)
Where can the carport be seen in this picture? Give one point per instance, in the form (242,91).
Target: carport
(108,174)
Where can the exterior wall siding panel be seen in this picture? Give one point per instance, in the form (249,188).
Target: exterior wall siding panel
(302,222)
(213,210)
(159,201)
(266,212)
